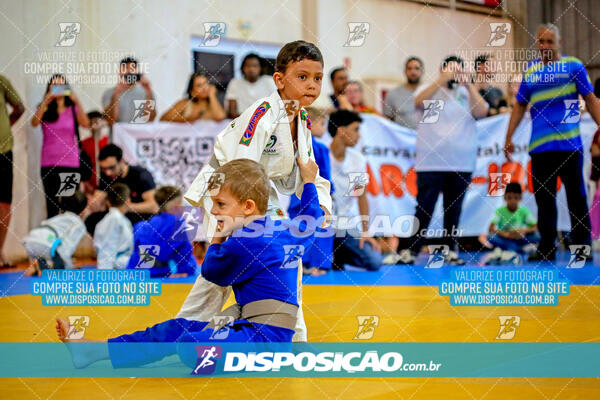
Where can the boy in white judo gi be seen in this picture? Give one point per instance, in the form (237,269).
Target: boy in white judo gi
(52,244)
(273,131)
(113,236)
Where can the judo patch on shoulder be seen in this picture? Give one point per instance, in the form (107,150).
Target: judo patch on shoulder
(249,131)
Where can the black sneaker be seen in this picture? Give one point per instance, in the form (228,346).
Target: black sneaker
(539,257)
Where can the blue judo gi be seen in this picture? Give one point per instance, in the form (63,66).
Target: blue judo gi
(259,261)
(174,252)
(321,253)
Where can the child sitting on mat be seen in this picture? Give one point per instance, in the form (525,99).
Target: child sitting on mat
(255,254)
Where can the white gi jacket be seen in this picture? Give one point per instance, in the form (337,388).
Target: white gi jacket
(61,233)
(113,240)
(261,133)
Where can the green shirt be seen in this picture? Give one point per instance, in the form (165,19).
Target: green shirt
(10,96)
(506,220)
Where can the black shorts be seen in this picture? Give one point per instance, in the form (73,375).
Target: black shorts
(6,177)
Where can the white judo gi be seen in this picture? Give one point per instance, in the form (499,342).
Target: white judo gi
(57,235)
(261,133)
(113,240)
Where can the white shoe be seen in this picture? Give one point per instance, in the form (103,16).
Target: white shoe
(510,258)
(452,259)
(493,258)
(529,248)
(405,257)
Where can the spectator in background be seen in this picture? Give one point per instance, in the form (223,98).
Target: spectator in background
(551,86)
(339,78)
(399,104)
(8,96)
(513,228)
(60,115)
(492,95)
(353,99)
(242,92)
(114,169)
(119,102)
(174,256)
(201,102)
(351,245)
(92,145)
(446,153)
(113,236)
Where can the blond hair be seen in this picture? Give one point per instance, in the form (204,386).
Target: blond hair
(246,180)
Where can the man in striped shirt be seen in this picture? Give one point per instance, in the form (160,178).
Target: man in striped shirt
(551,85)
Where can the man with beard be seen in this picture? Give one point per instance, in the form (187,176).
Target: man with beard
(551,86)
(399,105)
(114,169)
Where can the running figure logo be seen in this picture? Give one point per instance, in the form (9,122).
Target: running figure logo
(572,113)
(148,254)
(437,255)
(213,180)
(357,33)
(579,255)
(366,326)
(77,325)
(293,254)
(357,183)
(207,359)
(68,33)
(69,181)
(213,32)
(287,110)
(497,183)
(508,326)
(431,111)
(189,222)
(143,110)
(499,33)
(221,329)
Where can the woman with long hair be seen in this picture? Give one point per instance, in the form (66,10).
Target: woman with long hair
(201,102)
(60,114)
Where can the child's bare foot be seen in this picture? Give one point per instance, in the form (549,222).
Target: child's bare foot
(33,269)
(82,355)
(318,272)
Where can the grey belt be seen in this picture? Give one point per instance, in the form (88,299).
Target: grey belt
(268,312)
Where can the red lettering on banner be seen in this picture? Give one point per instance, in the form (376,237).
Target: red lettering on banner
(391,180)
(372,187)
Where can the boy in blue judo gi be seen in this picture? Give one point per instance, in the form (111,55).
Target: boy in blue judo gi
(255,254)
(161,244)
